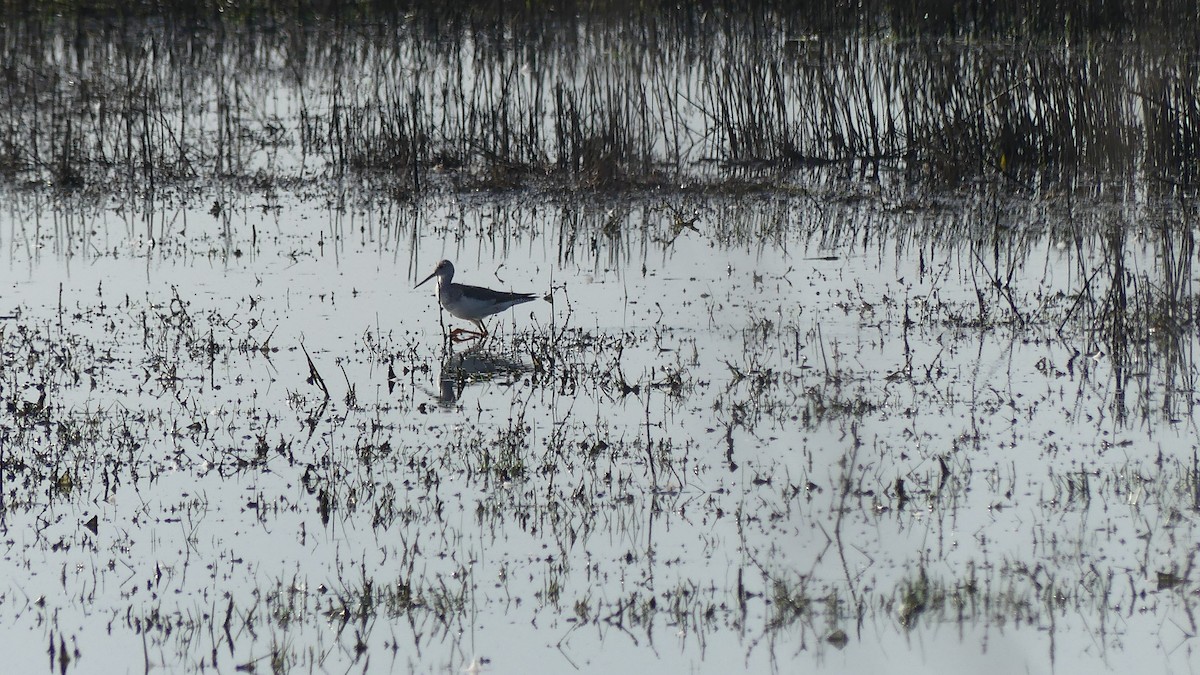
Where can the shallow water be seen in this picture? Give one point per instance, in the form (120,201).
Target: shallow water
(776,415)
(688,460)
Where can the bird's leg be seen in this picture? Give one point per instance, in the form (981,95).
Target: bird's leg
(462,334)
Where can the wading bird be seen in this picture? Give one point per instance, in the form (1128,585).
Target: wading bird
(471,303)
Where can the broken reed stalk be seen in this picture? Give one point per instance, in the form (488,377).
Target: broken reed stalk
(314,376)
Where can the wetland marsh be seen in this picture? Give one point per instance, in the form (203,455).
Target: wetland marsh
(869,342)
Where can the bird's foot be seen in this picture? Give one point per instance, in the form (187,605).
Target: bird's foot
(462,335)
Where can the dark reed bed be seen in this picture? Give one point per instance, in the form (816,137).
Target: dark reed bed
(498,96)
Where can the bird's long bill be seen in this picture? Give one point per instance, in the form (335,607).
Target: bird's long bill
(426,279)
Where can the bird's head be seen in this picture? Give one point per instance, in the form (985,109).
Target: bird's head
(444,272)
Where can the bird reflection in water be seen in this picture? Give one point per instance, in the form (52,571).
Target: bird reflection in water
(471,367)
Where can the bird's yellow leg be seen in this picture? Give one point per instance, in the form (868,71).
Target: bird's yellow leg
(462,335)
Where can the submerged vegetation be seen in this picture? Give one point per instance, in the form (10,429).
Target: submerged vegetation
(870,336)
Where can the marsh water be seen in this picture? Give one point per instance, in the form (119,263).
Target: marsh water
(860,350)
